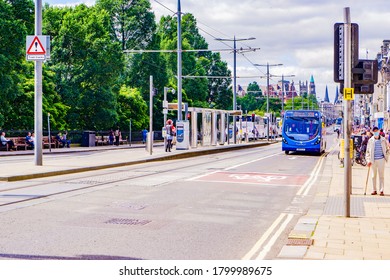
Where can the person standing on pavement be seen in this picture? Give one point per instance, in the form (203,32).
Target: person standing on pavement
(144,134)
(169,129)
(111,137)
(376,157)
(117,134)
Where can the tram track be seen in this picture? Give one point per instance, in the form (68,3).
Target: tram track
(96,184)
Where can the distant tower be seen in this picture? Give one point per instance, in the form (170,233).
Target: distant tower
(326,99)
(312,86)
(336,99)
(302,88)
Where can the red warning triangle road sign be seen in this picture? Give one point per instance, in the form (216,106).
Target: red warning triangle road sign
(36,47)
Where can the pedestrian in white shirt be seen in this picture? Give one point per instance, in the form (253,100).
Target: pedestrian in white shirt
(376,157)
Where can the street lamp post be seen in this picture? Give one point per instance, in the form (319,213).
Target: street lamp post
(179,63)
(234,78)
(268,76)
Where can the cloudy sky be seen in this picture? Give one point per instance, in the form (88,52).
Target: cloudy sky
(296,33)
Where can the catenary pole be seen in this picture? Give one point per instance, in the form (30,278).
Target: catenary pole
(38,90)
(268,76)
(234,80)
(179,63)
(234,89)
(151,91)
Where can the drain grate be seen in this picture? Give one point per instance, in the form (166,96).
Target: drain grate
(300,242)
(130,222)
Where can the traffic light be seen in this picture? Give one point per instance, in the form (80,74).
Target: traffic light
(365,72)
(253,118)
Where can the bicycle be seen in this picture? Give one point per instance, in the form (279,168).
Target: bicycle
(360,156)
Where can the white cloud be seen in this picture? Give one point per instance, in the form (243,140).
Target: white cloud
(297,33)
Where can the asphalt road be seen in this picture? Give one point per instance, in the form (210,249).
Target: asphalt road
(234,205)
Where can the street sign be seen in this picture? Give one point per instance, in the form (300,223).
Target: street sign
(38,47)
(175,106)
(338,73)
(349,94)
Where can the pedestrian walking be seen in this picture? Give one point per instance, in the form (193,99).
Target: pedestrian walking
(376,157)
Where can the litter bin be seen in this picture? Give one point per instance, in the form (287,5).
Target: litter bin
(88,139)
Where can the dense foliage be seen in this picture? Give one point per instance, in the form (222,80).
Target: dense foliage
(92,82)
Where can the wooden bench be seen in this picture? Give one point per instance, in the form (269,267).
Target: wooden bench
(20,142)
(57,143)
(100,140)
(45,142)
(122,141)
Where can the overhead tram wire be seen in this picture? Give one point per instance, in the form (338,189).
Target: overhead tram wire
(174,12)
(208,33)
(173,51)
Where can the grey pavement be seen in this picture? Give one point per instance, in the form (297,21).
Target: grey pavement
(326,233)
(19,165)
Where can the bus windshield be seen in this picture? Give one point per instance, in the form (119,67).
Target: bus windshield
(301,128)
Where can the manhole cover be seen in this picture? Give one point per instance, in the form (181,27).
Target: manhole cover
(300,242)
(130,222)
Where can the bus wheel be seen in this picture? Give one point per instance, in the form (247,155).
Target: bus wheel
(286,152)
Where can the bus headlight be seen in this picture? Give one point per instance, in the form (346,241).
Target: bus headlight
(317,141)
(284,140)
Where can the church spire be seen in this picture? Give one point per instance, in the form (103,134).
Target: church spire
(326,99)
(336,99)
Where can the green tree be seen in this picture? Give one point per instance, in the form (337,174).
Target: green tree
(14,25)
(254,89)
(200,91)
(250,102)
(275,105)
(87,63)
(132,106)
(221,94)
(23,107)
(132,22)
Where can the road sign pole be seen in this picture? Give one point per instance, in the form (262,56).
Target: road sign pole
(347,111)
(151,92)
(38,90)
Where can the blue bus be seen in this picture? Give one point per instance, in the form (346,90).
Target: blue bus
(303,130)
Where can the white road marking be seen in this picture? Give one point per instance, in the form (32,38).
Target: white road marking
(313,177)
(246,183)
(264,238)
(252,161)
(274,238)
(232,167)
(257,178)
